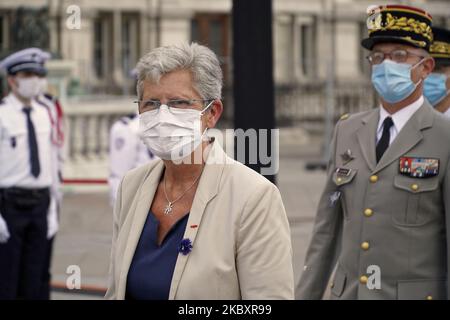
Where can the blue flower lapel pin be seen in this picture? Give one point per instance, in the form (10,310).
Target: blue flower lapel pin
(185,246)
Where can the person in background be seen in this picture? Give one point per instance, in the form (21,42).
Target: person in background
(126,149)
(437,85)
(27,202)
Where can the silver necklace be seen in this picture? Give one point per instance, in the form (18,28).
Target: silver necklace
(169,206)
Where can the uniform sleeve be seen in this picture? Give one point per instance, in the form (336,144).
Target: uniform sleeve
(56,165)
(264,250)
(111,293)
(60,134)
(323,248)
(122,156)
(55,194)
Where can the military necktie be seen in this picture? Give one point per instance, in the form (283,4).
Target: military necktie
(383,144)
(32,144)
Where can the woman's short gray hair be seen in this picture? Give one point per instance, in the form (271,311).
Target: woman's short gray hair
(198,59)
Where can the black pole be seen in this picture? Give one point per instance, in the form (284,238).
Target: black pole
(253,85)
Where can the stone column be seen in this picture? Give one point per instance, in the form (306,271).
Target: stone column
(54,25)
(117,72)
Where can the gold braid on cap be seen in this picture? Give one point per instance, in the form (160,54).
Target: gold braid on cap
(438,47)
(404,24)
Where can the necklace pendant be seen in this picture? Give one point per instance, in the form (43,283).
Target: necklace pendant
(168,208)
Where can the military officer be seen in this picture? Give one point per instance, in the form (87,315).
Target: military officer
(26,177)
(437,84)
(384,216)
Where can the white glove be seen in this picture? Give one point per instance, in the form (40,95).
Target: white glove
(4,233)
(52,219)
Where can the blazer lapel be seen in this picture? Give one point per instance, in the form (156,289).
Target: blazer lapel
(408,137)
(366,135)
(141,208)
(207,189)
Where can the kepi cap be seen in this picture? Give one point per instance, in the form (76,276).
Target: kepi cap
(399,24)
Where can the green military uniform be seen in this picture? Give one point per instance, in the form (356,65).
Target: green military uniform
(386,219)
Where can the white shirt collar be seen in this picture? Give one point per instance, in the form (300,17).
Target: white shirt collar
(13,100)
(401,117)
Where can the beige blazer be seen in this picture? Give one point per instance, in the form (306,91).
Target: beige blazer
(241,247)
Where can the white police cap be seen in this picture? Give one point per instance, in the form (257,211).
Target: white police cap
(30,59)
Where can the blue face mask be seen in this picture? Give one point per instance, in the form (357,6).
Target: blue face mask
(434,88)
(392,80)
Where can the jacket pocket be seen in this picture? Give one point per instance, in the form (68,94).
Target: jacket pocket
(338,285)
(407,211)
(422,289)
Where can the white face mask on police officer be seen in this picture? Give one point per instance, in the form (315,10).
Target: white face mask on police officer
(29,87)
(43,85)
(172,134)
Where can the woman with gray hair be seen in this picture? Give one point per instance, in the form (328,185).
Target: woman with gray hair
(194,224)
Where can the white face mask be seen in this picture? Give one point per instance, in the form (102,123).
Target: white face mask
(172,135)
(28,87)
(43,85)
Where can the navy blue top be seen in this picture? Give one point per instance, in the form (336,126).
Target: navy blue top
(151,270)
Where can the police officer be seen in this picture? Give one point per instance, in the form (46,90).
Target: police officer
(384,215)
(437,84)
(26,165)
(126,150)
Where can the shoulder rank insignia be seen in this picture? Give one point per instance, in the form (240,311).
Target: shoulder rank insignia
(344,172)
(125,120)
(419,167)
(49,96)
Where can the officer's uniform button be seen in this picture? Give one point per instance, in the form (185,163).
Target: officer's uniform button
(363,279)
(429,297)
(332,285)
(373,178)
(368,212)
(344,116)
(365,245)
(339,180)
(414,187)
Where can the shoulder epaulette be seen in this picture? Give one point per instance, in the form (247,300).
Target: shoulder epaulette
(124,120)
(49,96)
